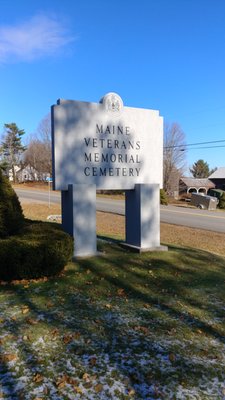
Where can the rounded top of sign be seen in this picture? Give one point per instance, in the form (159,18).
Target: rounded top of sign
(112,103)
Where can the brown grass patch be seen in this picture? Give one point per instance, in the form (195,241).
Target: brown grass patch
(38,211)
(191,237)
(114,226)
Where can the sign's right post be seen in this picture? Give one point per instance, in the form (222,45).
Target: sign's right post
(142,210)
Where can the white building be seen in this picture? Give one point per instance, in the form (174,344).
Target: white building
(27,173)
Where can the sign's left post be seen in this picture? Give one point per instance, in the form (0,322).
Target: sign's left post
(79,217)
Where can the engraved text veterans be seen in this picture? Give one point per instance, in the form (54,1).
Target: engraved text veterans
(112,152)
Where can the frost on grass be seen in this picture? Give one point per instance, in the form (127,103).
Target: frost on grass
(97,350)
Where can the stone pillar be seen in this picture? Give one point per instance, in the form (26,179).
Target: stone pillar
(79,218)
(142,209)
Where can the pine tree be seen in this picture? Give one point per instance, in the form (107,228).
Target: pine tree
(11,147)
(200,169)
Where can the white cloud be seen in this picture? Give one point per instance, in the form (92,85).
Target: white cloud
(33,39)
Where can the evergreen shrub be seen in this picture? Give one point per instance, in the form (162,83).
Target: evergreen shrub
(41,249)
(28,249)
(222,201)
(11,214)
(163,197)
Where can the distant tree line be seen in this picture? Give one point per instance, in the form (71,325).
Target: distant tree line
(174,159)
(36,154)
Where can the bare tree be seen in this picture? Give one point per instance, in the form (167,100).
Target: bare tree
(174,157)
(44,130)
(39,154)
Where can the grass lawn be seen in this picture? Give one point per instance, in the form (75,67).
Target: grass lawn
(120,326)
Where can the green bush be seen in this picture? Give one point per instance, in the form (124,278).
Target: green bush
(40,250)
(222,201)
(28,249)
(163,197)
(11,214)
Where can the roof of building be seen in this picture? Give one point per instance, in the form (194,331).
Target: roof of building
(218,174)
(198,183)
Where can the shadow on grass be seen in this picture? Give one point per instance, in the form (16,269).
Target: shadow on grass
(189,275)
(183,285)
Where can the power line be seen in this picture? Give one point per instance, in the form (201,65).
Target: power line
(198,148)
(195,144)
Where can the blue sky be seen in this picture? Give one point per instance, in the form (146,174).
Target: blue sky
(167,55)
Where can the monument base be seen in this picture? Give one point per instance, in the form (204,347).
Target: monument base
(83,257)
(137,249)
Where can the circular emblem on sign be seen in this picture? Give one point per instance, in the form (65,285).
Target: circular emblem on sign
(112,103)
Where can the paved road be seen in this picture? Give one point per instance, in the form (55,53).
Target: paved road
(202,219)
(194,218)
(38,196)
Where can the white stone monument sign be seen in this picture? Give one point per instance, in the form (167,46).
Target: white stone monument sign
(106,145)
